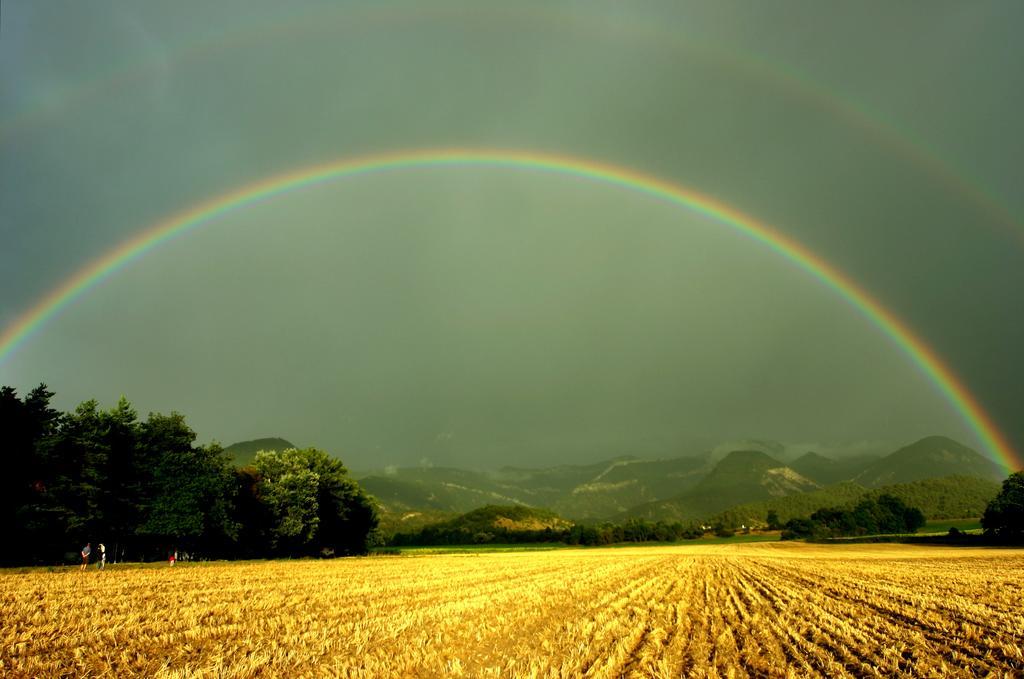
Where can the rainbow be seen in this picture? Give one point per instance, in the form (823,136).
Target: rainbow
(291,24)
(922,355)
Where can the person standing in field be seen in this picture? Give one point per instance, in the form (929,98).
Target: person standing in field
(86,551)
(102,563)
(173,557)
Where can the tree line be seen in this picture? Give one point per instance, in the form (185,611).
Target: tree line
(885,514)
(950,497)
(1002,520)
(144,489)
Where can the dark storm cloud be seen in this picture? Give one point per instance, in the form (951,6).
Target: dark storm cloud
(488,317)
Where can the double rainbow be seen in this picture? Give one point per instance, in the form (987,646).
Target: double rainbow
(923,356)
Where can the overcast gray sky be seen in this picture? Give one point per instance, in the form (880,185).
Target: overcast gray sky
(482,317)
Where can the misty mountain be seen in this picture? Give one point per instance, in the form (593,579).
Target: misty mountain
(548,485)
(443,489)
(742,476)
(616,485)
(826,470)
(244,452)
(931,457)
(588,491)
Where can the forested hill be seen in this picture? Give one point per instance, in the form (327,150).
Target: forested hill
(244,452)
(826,470)
(931,457)
(950,497)
(591,491)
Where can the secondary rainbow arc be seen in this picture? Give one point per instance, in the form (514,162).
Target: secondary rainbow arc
(921,354)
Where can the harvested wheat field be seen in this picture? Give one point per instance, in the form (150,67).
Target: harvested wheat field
(764,609)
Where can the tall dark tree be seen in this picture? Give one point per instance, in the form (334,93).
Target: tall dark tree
(1004,516)
(14,456)
(43,422)
(252,515)
(126,475)
(28,429)
(75,498)
(188,501)
(347,515)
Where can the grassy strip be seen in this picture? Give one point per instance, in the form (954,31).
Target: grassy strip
(943,525)
(548,546)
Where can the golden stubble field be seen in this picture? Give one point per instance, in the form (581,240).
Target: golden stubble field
(764,609)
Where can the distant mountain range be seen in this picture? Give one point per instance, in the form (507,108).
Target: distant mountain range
(578,491)
(745,477)
(749,481)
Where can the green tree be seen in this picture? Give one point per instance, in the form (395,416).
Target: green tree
(1004,516)
(81,453)
(289,488)
(315,505)
(188,498)
(724,531)
(798,528)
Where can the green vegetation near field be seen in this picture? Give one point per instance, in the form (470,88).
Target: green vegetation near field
(951,497)
(471,549)
(767,536)
(943,526)
(770,536)
(888,515)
